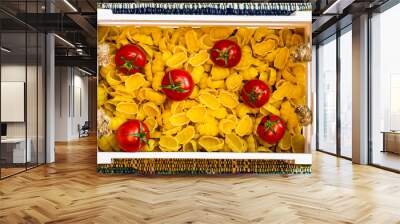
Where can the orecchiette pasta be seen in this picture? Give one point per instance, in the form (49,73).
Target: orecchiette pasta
(214,117)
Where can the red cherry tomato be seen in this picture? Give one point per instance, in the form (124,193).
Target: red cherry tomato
(226,53)
(130,59)
(177,84)
(255,93)
(271,129)
(132,136)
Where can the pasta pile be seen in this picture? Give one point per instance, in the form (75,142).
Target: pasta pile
(213,118)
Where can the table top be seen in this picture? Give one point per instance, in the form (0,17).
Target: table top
(13,140)
(391,132)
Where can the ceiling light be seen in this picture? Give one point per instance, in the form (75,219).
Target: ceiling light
(5,50)
(84,71)
(70,5)
(64,40)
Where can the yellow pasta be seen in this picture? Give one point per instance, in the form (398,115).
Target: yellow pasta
(213,117)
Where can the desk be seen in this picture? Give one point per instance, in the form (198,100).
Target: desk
(391,141)
(16,147)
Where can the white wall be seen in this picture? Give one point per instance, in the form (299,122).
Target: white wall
(71,102)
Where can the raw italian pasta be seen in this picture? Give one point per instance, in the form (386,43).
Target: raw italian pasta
(213,118)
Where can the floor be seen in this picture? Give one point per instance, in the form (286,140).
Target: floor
(70,191)
(387,159)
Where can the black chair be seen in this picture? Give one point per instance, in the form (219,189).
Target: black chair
(84,130)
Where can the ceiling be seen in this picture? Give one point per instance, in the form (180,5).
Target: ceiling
(75,21)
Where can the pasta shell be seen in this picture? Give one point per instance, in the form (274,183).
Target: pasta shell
(150,109)
(177,60)
(235,143)
(281,58)
(199,58)
(210,143)
(179,119)
(219,73)
(209,100)
(228,99)
(233,82)
(135,82)
(196,114)
(185,135)
(127,108)
(244,126)
(298,143)
(190,146)
(226,126)
(192,42)
(116,122)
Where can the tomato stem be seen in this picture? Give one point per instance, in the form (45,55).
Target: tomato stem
(269,125)
(129,64)
(141,135)
(253,96)
(175,86)
(223,54)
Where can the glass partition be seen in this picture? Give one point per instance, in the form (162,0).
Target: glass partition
(346,93)
(327,96)
(385,89)
(22,89)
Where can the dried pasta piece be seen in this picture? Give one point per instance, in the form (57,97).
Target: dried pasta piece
(196,113)
(209,100)
(235,143)
(151,123)
(210,143)
(208,128)
(226,126)
(177,60)
(150,109)
(249,74)
(143,39)
(150,146)
(219,73)
(185,135)
(205,42)
(198,59)
(116,122)
(127,108)
(148,73)
(192,42)
(113,79)
(179,119)
(288,76)
(190,146)
(220,113)
(281,58)
(197,73)
(215,84)
(169,143)
(228,100)
(284,143)
(244,126)
(251,143)
(171,131)
(154,96)
(135,82)
(233,82)
(298,143)
(264,47)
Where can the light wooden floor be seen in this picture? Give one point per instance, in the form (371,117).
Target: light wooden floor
(70,191)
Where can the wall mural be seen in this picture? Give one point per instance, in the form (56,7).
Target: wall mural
(175,98)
